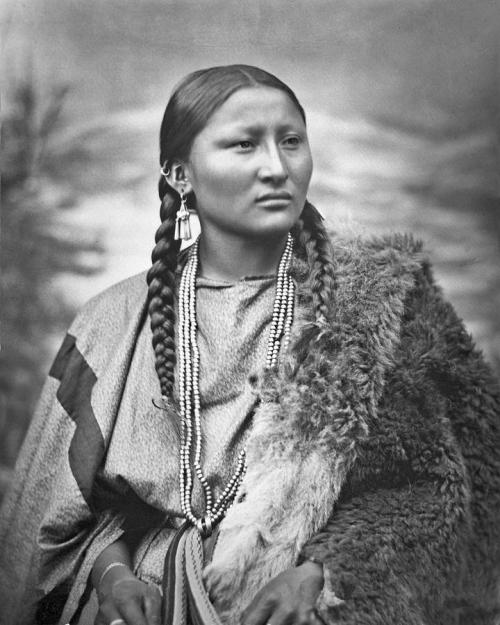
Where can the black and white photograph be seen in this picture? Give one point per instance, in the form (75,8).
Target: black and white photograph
(249,329)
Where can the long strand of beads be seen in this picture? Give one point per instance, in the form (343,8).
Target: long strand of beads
(289,314)
(284,285)
(182,392)
(189,372)
(185,397)
(195,377)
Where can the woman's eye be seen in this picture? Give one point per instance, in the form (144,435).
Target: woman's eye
(292,141)
(245,144)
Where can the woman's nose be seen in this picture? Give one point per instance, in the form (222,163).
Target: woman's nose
(273,165)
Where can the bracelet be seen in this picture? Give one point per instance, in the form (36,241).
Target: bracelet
(108,569)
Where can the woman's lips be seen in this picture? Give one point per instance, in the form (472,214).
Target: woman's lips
(275,199)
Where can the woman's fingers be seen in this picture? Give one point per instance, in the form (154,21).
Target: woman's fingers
(282,615)
(287,599)
(133,601)
(152,605)
(107,614)
(259,611)
(133,614)
(286,615)
(128,596)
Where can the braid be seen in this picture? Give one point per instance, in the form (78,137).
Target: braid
(314,238)
(190,107)
(161,289)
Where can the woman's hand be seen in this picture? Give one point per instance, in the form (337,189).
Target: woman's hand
(124,597)
(288,599)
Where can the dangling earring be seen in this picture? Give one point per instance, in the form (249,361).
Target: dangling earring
(182,225)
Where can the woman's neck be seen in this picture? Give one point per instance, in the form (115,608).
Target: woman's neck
(232,258)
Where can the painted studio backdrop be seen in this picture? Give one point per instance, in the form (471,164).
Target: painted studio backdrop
(401,98)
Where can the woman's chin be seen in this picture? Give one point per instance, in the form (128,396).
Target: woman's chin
(277,222)
(263,225)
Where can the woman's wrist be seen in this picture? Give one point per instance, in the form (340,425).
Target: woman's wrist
(111,565)
(112,575)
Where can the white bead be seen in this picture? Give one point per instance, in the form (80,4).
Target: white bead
(189,367)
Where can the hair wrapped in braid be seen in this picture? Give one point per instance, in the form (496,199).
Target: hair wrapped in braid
(312,235)
(161,289)
(193,102)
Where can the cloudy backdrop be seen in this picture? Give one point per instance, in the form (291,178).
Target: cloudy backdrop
(402,100)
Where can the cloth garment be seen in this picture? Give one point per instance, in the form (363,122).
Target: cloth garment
(374,449)
(233,325)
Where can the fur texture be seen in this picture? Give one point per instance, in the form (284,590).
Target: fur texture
(414,537)
(312,416)
(375,450)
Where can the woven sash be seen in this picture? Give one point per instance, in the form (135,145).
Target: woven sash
(185,599)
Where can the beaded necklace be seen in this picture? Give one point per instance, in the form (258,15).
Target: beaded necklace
(189,391)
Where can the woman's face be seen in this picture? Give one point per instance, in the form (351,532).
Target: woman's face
(250,167)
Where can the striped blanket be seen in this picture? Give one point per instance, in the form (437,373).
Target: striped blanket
(391,393)
(63,508)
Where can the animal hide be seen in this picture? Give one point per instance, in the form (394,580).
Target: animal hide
(311,418)
(375,450)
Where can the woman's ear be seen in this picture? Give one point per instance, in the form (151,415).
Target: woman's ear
(178,177)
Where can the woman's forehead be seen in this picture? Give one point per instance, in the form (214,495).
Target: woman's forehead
(256,107)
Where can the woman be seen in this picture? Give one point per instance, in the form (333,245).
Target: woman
(315,413)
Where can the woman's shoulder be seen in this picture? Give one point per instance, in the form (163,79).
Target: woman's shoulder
(378,258)
(115,306)
(395,245)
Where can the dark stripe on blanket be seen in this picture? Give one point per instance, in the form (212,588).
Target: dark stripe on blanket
(201,610)
(77,379)
(173,584)
(138,516)
(194,613)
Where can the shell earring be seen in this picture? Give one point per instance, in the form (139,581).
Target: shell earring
(182,225)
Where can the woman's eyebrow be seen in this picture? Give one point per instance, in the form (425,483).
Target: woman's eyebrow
(256,129)
(239,127)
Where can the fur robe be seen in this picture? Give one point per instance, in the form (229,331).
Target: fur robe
(375,450)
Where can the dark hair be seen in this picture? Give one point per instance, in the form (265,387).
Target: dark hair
(194,100)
